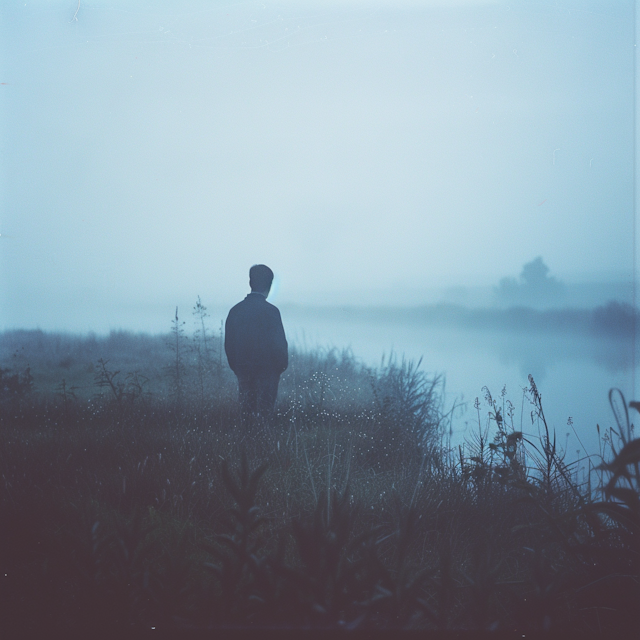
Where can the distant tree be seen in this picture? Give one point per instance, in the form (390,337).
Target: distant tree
(535,286)
(534,273)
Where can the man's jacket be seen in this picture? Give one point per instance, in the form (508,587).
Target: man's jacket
(254,339)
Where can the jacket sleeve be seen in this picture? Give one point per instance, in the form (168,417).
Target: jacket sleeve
(281,348)
(230,342)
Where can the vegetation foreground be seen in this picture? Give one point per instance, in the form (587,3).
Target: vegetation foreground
(132,498)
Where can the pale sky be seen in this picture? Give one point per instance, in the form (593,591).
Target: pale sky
(153,151)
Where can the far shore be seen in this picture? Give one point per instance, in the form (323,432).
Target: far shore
(613,319)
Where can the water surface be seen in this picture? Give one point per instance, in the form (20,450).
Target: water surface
(573,371)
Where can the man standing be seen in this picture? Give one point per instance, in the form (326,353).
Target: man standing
(256,346)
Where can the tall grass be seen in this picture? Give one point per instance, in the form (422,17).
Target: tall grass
(121,507)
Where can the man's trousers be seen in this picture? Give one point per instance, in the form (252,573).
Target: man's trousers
(258,394)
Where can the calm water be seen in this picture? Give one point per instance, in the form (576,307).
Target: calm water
(573,372)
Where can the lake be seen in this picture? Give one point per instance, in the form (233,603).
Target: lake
(573,371)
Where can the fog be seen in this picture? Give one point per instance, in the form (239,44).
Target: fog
(372,153)
(433,164)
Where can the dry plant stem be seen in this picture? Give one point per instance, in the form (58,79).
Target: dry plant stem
(313,486)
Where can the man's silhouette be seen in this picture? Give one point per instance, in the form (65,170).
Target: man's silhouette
(256,346)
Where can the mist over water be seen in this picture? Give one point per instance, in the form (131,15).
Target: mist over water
(573,372)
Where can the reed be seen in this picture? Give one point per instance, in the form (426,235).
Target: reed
(349,511)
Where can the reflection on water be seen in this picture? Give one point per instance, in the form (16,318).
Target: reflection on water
(574,372)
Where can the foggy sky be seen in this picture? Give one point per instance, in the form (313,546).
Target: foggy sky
(153,151)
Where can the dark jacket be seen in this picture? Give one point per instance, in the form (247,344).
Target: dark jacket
(254,339)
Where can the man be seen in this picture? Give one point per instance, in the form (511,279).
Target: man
(256,346)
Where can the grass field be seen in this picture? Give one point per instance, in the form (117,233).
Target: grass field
(131,497)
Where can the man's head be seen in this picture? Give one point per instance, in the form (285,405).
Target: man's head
(260,278)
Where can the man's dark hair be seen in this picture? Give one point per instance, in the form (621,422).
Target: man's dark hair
(260,277)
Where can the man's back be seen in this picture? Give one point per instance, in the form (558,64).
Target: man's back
(255,342)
